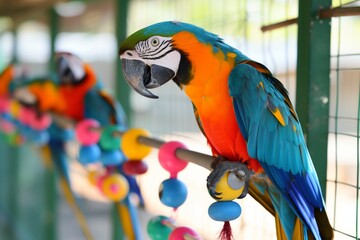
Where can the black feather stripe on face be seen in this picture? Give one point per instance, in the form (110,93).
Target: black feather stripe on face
(184,73)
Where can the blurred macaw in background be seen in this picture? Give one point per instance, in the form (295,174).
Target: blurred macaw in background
(73,95)
(245,114)
(85,98)
(37,98)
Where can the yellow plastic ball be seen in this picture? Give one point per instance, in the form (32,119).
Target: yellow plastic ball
(14,108)
(93,177)
(130,145)
(227,192)
(115,187)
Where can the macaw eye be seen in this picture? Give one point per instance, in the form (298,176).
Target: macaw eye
(155,42)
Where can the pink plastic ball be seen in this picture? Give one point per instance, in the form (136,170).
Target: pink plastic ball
(40,122)
(100,180)
(4,104)
(85,132)
(181,232)
(7,127)
(168,159)
(25,115)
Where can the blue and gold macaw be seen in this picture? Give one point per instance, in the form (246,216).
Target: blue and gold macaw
(71,97)
(85,98)
(41,95)
(245,114)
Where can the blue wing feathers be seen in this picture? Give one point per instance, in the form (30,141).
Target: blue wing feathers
(297,196)
(244,122)
(276,141)
(254,116)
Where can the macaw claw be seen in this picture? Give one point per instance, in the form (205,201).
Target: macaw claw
(221,166)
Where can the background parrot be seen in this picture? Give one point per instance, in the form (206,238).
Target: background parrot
(74,94)
(41,95)
(245,114)
(85,98)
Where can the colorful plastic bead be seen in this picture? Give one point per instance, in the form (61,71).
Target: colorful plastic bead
(7,116)
(89,154)
(86,132)
(4,104)
(168,159)
(180,233)
(7,127)
(134,167)
(14,138)
(39,138)
(108,139)
(112,157)
(156,228)
(172,192)
(228,191)
(130,145)
(115,187)
(92,177)
(14,108)
(39,122)
(36,137)
(224,211)
(25,115)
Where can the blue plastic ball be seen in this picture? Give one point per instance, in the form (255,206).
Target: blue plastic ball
(172,192)
(224,211)
(112,158)
(7,116)
(89,154)
(39,138)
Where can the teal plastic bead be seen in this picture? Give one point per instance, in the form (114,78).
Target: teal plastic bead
(224,211)
(107,139)
(157,230)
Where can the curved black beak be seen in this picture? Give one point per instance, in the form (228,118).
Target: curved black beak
(141,76)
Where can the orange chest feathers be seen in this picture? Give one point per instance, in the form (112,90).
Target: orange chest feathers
(209,92)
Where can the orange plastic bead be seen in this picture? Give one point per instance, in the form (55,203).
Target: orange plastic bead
(115,187)
(14,108)
(93,177)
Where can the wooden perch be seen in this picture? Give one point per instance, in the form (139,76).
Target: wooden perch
(200,159)
(322,14)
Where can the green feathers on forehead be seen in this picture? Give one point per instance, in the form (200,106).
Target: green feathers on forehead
(170,28)
(167,29)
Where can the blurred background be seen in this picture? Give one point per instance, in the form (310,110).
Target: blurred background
(31,207)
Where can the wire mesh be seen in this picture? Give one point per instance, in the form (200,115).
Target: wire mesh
(343,153)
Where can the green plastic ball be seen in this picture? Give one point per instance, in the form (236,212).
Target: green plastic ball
(108,139)
(157,230)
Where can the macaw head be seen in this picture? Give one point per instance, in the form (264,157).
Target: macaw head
(156,54)
(70,68)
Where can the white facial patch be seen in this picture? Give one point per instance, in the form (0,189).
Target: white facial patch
(155,50)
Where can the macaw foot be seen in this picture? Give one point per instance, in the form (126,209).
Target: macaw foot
(239,176)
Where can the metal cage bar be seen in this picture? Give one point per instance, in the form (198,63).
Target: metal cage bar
(312,91)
